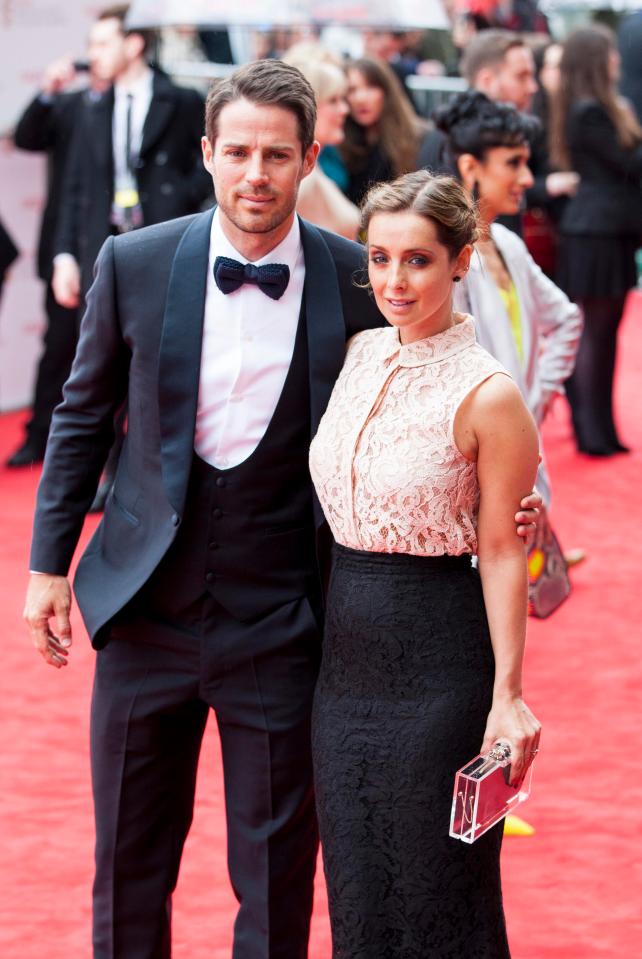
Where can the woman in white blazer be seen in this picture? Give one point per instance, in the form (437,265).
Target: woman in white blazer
(522,318)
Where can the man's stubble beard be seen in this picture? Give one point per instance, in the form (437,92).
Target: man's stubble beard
(269,226)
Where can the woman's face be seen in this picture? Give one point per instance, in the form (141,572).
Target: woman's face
(366,101)
(502,178)
(549,75)
(411,273)
(331,115)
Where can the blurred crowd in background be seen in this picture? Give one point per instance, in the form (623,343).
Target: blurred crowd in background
(121,124)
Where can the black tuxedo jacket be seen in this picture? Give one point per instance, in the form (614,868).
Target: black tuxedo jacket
(47,126)
(141,341)
(172,181)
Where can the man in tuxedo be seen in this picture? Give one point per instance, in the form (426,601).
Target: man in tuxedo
(203,585)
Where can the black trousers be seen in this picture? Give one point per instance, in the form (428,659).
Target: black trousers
(590,388)
(155,683)
(59,347)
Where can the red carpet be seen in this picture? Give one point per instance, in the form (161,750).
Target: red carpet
(572,891)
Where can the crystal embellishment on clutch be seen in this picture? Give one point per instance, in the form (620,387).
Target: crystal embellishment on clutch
(483,795)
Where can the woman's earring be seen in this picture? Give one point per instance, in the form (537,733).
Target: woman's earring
(476,193)
(456,279)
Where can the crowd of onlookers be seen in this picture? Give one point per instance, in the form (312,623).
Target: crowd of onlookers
(544,138)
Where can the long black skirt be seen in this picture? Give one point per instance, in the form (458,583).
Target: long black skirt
(401,703)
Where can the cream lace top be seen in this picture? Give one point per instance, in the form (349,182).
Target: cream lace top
(384,462)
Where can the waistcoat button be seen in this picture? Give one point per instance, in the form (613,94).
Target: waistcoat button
(217,513)
(220,481)
(213,545)
(209,577)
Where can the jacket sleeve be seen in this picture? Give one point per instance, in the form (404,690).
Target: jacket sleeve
(559,327)
(69,210)
(592,130)
(82,429)
(36,128)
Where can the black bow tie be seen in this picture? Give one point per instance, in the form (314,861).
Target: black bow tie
(271,278)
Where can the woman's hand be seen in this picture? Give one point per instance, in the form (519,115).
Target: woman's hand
(511,720)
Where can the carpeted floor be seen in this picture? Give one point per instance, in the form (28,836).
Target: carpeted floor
(572,890)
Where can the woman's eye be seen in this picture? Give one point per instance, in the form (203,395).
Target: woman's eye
(377,258)
(418,261)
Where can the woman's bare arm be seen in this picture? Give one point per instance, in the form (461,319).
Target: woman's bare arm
(495,421)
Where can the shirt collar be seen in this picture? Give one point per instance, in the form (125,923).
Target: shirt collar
(432,349)
(287,251)
(139,88)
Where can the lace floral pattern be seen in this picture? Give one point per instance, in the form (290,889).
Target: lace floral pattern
(384,461)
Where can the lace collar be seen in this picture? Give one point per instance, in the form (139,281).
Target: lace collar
(433,349)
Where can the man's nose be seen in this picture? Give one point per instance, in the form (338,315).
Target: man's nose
(256,172)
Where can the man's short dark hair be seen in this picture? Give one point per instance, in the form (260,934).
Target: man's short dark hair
(487,49)
(119,11)
(268,83)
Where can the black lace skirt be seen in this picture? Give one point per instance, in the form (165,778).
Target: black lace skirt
(402,701)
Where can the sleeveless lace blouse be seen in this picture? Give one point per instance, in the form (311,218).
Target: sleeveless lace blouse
(384,462)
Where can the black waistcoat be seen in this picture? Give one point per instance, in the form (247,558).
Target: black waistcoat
(247,535)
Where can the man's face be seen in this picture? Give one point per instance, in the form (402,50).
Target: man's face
(256,163)
(514,80)
(107,50)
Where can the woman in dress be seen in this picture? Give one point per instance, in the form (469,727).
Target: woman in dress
(521,317)
(424,452)
(382,133)
(596,133)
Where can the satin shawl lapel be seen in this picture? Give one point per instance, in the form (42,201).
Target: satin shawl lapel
(99,131)
(180,356)
(325,326)
(159,115)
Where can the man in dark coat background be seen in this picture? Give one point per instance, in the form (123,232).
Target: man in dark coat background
(47,126)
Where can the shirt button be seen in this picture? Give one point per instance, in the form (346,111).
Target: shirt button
(213,545)
(175,519)
(220,482)
(217,513)
(209,577)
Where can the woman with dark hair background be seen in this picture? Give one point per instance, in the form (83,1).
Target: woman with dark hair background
(382,133)
(596,133)
(522,318)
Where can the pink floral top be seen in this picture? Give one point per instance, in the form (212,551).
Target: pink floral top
(384,462)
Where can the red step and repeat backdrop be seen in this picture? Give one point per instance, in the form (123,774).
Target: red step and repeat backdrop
(32,34)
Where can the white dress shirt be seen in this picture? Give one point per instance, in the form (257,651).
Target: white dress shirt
(248,342)
(141,92)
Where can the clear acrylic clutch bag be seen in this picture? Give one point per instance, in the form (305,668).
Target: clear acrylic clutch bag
(483,795)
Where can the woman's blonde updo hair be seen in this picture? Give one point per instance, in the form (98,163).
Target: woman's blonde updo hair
(441,199)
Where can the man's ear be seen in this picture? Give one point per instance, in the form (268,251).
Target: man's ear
(208,155)
(467,166)
(310,158)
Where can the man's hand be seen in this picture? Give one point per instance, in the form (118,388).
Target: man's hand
(526,519)
(563,183)
(49,597)
(65,281)
(58,76)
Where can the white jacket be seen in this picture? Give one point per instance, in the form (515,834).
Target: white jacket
(551,326)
